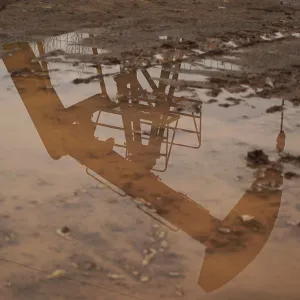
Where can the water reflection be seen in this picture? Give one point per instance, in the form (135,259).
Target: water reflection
(231,244)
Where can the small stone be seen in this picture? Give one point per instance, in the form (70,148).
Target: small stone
(247,218)
(149,256)
(251,222)
(275,108)
(291,175)
(257,189)
(224,230)
(238,178)
(114,276)
(292,223)
(179,291)
(269,82)
(57,273)
(151,240)
(7,283)
(155,226)
(164,244)
(257,157)
(136,273)
(101,186)
(65,230)
(145,278)
(162,234)
(174,274)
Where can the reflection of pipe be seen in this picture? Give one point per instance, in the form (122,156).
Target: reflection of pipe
(281,123)
(71,132)
(281,136)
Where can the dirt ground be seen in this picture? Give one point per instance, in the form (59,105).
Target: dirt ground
(24,20)
(136,25)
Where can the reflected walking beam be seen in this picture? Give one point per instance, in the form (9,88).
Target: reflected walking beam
(71,132)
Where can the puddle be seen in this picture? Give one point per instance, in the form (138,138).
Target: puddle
(134,181)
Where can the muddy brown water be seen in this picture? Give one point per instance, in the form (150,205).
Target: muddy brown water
(132,183)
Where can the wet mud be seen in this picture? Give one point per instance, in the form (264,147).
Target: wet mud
(144,170)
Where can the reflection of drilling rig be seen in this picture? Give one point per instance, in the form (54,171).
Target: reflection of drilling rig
(71,131)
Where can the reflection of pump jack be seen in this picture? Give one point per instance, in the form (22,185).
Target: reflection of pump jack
(70,131)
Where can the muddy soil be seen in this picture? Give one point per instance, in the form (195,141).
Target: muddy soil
(133,26)
(139,20)
(190,121)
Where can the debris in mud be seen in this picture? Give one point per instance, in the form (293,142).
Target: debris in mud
(174,274)
(291,175)
(256,188)
(213,92)
(135,273)
(179,291)
(275,108)
(251,222)
(295,101)
(269,82)
(86,265)
(57,274)
(143,202)
(236,89)
(149,256)
(211,101)
(197,108)
(26,72)
(7,283)
(2,7)
(10,237)
(289,158)
(180,84)
(164,244)
(226,105)
(57,52)
(64,232)
(257,157)
(114,276)
(246,218)
(292,223)
(235,101)
(161,234)
(224,230)
(179,109)
(145,278)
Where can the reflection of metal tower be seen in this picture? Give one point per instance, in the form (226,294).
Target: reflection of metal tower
(70,131)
